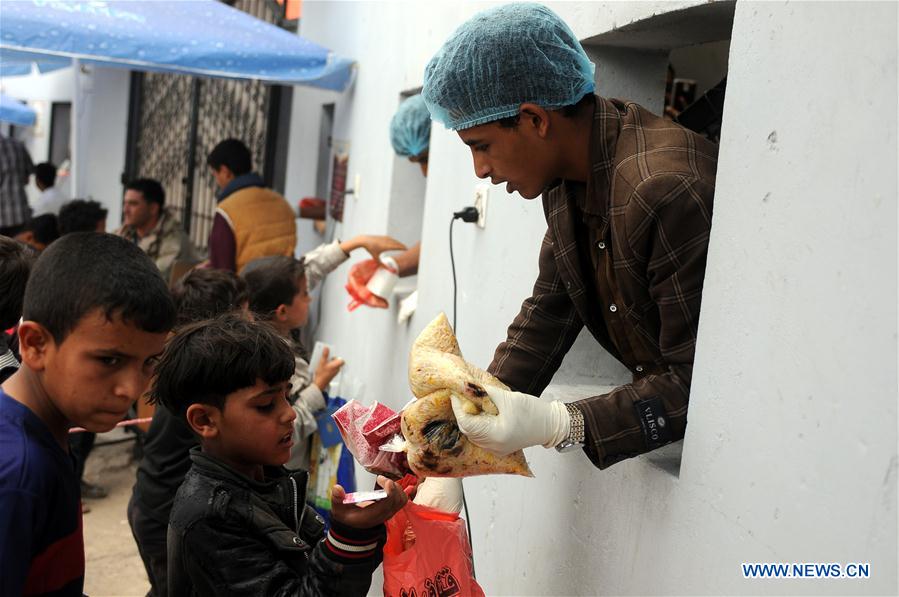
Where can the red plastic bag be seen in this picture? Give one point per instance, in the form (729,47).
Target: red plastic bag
(427,553)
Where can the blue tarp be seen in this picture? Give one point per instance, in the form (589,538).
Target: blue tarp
(15,112)
(198,37)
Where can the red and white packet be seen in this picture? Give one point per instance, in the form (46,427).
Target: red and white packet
(365,430)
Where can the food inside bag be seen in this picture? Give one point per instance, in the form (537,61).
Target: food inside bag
(435,447)
(431,444)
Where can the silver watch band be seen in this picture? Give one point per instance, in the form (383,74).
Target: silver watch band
(576,434)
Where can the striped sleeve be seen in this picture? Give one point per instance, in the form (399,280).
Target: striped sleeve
(348,545)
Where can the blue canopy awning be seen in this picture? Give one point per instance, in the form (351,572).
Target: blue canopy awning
(15,112)
(201,37)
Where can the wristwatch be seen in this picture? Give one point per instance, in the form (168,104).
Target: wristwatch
(576,436)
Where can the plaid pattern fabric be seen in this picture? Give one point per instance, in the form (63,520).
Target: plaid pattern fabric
(646,212)
(15,168)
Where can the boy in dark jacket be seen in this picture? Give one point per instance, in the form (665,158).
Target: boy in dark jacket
(201,294)
(239,525)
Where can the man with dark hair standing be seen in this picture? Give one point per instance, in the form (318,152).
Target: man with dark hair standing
(51,199)
(15,168)
(153,227)
(251,221)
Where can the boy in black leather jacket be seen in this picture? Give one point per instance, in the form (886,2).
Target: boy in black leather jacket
(239,525)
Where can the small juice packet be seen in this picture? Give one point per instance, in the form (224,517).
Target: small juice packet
(364,496)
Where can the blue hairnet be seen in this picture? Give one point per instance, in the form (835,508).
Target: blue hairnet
(410,129)
(502,58)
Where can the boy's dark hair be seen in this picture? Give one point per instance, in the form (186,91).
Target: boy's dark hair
(206,293)
(45,173)
(151,190)
(232,153)
(207,360)
(16,260)
(569,111)
(44,227)
(85,271)
(271,282)
(80,215)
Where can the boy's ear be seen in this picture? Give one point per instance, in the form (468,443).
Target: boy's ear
(203,419)
(280,313)
(534,117)
(35,342)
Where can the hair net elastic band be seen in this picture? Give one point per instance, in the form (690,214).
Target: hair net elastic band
(494,114)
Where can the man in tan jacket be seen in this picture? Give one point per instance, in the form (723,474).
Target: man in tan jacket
(251,221)
(628,202)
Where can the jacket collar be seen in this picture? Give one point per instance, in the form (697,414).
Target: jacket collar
(213,467)
(603,139)
(163,224)
(250,179)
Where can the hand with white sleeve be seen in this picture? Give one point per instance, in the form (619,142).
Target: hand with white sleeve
(523,421)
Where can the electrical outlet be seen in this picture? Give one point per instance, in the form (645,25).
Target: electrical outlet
(481,193)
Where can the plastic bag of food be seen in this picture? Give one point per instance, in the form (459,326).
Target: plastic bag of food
(435,447)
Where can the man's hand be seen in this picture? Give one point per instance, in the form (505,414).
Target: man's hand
(375,245)
(327,370)
(370,514)
(523,421)
(443,493)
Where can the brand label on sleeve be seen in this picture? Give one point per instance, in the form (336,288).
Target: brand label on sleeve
(654,422)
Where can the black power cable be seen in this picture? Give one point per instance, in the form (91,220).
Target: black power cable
(470,215)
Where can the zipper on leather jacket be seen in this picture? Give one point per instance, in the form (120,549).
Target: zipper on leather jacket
(297,519)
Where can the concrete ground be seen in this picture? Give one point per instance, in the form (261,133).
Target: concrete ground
(113,566)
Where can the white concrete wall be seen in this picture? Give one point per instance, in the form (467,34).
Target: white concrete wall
(99,100)
(790,455)
(98,145)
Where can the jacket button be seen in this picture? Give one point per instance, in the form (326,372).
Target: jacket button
(639,368)
(296,540)
(613,308)
(601,245)
(567,284)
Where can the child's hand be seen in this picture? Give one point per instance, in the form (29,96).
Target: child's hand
(327,370)
(373,513)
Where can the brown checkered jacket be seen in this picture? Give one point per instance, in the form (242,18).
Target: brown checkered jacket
(649,202)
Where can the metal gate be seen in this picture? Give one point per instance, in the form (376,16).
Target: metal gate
(176,120)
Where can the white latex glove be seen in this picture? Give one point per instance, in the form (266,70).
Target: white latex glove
(523,421)
(407,308)
(443,493)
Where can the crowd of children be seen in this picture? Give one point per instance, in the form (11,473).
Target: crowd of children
(233,392)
